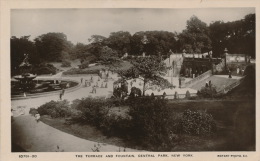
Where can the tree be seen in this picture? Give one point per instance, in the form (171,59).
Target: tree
(195,38)
(159,42)
(119,41)
(51,46)
(237,36)
(149,70)
(20,46)
(109,57)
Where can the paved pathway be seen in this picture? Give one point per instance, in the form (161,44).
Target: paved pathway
(39,137)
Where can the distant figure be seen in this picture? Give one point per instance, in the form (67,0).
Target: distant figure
(37,117)
(152,95)
(164,94)
(92,89)
(207,84)
(68,85)
(229,74)
(131,83)
(95,89)
(24,94)
(60,95)
(106,85)
(187,94)
(63,91)
(96,84)
(98,78)
(210,83)
(102,86)
(81,80)
(91,78)
(176,95)
(238,70)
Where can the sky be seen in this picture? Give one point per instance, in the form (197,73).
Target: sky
(80,24)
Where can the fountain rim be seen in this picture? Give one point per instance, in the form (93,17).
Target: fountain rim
(44,94)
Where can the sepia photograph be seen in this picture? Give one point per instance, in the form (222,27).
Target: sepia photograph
(133,80)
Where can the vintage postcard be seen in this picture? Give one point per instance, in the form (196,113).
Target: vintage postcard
(129,80)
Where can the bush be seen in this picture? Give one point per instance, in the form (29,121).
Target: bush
(197,123)
(151,123)
(44,69)
(114,125)
(84,65)
(33,111)
(92,110)
(55,109)
(65,63)
(207,92)
(80,71)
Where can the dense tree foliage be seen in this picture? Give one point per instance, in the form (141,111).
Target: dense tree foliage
(237,36)
(195,39)
(20,46)
(53,46)
(149,69)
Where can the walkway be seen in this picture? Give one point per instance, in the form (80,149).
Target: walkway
(219,81)
(39,137)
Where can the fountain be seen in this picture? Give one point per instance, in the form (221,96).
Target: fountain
(25,79)
(25,84)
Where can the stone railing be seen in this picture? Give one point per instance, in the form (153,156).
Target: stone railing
(199,78)
(171,97)
(232,86)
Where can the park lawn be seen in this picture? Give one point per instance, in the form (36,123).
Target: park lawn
(235,121)
(124,65)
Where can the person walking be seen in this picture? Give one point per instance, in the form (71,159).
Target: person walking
(61,95)
(37,117)
(63,91)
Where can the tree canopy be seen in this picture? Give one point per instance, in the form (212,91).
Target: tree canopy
(149,70)
(195,38)
(237,36)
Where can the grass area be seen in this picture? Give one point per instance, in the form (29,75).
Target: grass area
(122,66)
(235,123)
(235,126)
(95,69)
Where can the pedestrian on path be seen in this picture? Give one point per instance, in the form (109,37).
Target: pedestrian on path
(37,117)
(81,80)
(61,95)
(95,89)
(63,91)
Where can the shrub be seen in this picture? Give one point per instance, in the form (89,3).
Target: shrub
(196,123)
(114,125)
(65,63)
(84,65)
(55,109)
(44,69)
(33,111)
(92,110)
(80,71)
(151,123)
(207,92)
